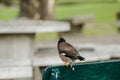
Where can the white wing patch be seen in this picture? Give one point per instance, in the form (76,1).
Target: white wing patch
(63,54)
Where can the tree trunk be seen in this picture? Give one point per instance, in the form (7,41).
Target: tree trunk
(47,9)
(37,9)
(118,21)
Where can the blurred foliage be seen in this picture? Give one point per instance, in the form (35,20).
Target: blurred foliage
(9,2)
(6,2)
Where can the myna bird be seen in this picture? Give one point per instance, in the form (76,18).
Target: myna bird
(67,52)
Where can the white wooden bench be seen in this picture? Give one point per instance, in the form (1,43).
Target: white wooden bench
(92,52)
(17,46)
(78,22)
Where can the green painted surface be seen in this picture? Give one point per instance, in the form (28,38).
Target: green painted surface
(85,71)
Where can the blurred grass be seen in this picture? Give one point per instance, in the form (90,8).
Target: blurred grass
(8,13)
(104,12)
(47,36)
(83,1)
(96,29)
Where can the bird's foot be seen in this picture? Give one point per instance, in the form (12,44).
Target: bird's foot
(69,65)
(66,63)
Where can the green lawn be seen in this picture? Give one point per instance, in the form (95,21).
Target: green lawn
(83,1)
(8,13)
(104,12)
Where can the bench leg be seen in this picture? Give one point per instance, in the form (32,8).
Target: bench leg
(37,73)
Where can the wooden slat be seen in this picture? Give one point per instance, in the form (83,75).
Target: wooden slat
(15,72)
(33,27)
(97,52)
(14,62)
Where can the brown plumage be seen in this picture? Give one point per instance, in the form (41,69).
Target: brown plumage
(67,52)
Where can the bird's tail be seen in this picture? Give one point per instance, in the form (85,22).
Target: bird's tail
(80,58)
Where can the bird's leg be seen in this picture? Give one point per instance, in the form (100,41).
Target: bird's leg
(71,65)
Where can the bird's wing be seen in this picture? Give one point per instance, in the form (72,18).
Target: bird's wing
(68,50)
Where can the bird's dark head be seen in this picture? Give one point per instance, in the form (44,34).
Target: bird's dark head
(61,40)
